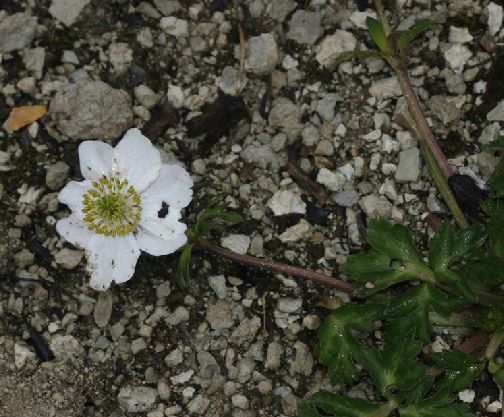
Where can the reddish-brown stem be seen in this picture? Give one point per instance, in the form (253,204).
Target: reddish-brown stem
(258,263)
(421,121)
(433,221)
(307,183)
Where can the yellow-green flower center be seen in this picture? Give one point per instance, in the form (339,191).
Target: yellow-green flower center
(111,207)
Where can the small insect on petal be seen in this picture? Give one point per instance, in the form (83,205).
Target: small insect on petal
(20,117)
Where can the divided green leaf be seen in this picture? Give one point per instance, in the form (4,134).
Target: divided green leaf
(376,31)
(338,348)
(409,35)
(409,312)
(436,406)
(461,370)
(395,368)
(326,404)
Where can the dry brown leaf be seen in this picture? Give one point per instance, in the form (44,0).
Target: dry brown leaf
(20,117)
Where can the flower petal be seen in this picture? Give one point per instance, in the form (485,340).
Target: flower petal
(71,195)
(156,246)
(172,186)
(95,159)
(111,259)
(166,228)
(74,231)
(137,160)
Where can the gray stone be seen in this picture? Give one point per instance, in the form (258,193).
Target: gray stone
(497,113)
(137,399)
(305,27)
(237,243)
(375,206)
(495,15)
(68,258)
(56,175)
(260,154)
(273,355)
(286,202)
(208,365)
(332,46)
(240,401)
(347,198)
(290,305)
(174,26)
(220,315)
(120,56)
(303,360)
(180,315)
(457,56)
(218,285)
(167,7)
(34,61)
(279,9)
(198,405)
(146,96)
(103,309)
(246,331)
(174,358)
(286,115)
(67,11)
(17,32)
(262,54)
(297,232)
(456,84)
(334,181)
(91,110)
(443,109)
(385,88)
(409,166)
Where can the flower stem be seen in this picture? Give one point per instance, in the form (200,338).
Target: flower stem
(258,263)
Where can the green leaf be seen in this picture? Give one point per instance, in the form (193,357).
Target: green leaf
(338,348)
(215,210)
(420,390)
(394,240)
(487,270)
(496,145)
(376,31)
(433,407)
(409,312)
(377,269)
(449,246)
(458,282)
(324,403)
(182,273)
(395,368)
(496,182)
(407,36)
(495,210)
(488,319)
(499,377)
(461,370)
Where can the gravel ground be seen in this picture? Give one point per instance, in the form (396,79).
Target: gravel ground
(238,342)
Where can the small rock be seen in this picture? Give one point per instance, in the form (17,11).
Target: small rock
(286,202)
(459,35)
(33,60)
(56,175)
(497,113)
(346,198)
(495,14)
(385,88)
(229,81)
(445,110)
(91,110)
(305,27)
(198,405)
(290,305)
(180,315)
(218,284)
(22,355)
(467,396)
(237,243)
(167,7)
(457,57)
(280,9)
(494,407)
(138,345)
(246,331)
(375,206)
(67,11)
(120,56)
(174,26)
(208,365)
(103,309)
(456,84)
(303,360)
(174,358)
(324,148)
(409,166)
(146,96)
(68,258)
(297,232)
(137,399)
(359,18)
(240,401)
(333,45)
(262,54)
(65,346)
(17,32)
(220,315)
(286,115)
(273,355)
(334,181)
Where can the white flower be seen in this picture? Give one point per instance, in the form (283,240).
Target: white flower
(129,202)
